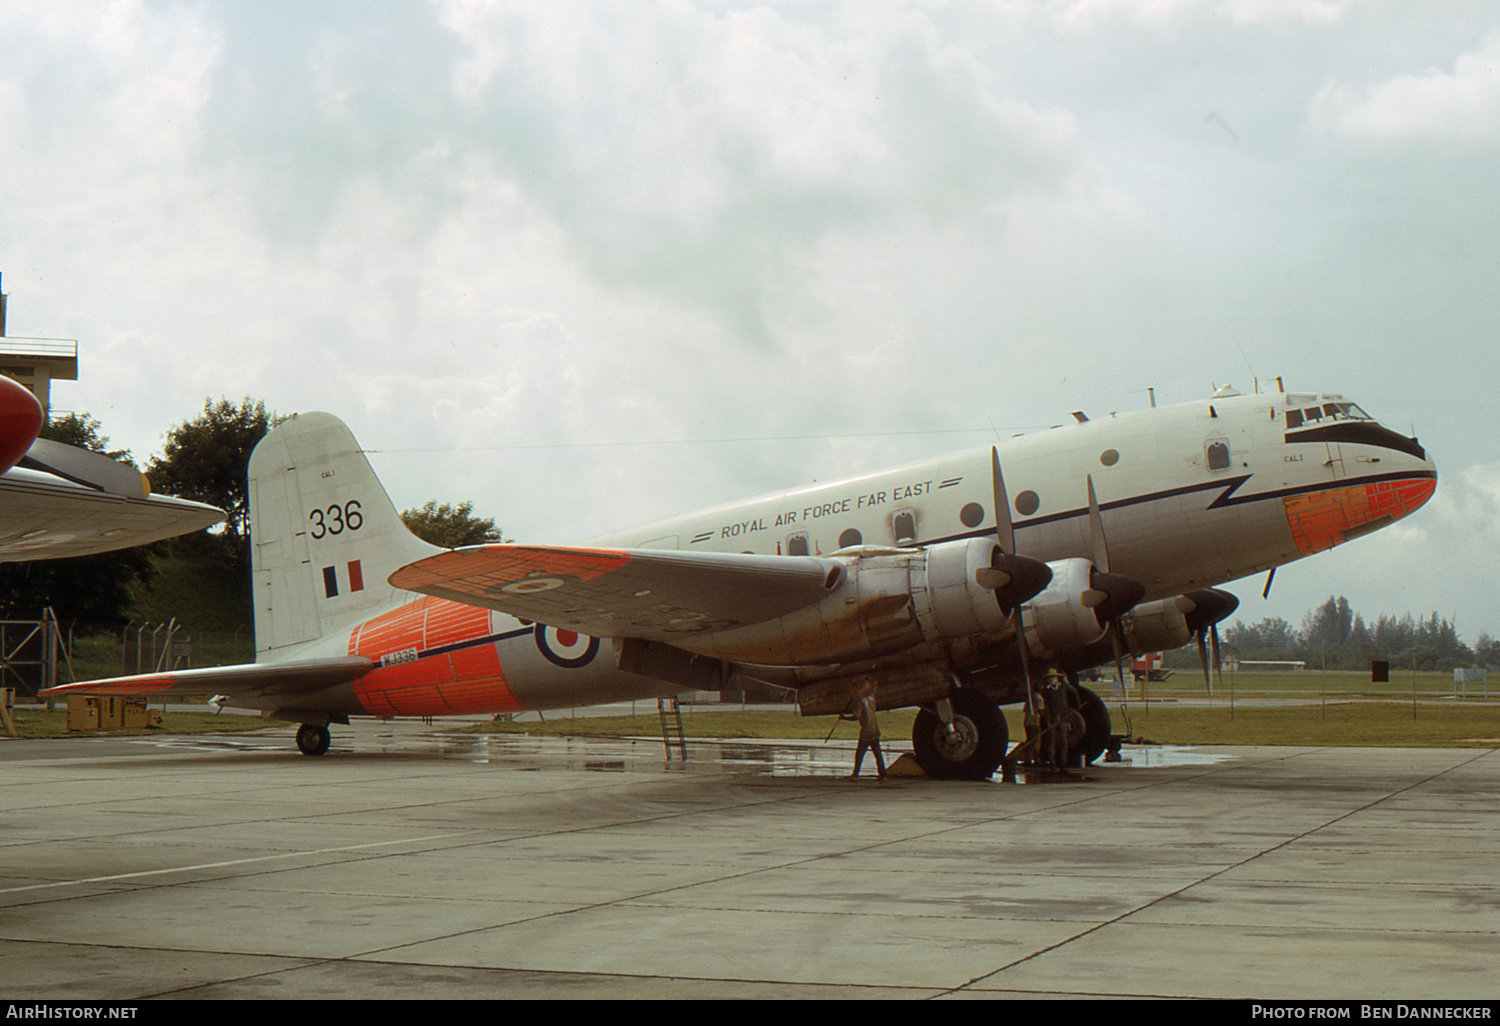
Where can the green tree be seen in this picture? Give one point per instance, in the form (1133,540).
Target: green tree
(81,430)
(205,459)
(451,526)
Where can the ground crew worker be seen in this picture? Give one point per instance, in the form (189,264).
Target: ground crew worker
(869,726)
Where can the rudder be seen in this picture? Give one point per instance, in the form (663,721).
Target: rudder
(324,535)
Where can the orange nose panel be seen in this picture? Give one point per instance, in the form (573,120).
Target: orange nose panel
(1324,519)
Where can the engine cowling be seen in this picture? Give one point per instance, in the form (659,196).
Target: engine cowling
(1159,626)
(1074,611)
(1056,620)
(886,600)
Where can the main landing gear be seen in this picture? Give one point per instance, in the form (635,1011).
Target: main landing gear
(965,737)
(313,739)
(962,737)
(1067,727)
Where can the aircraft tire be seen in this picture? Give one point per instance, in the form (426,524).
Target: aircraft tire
(1096,729)
(313,739)
(979,742)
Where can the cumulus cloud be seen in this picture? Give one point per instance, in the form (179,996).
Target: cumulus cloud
(1458,104)
(1164,12)
(490,233)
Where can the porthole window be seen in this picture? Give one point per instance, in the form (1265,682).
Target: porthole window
(972,515)
(1027,503)
(1109,457)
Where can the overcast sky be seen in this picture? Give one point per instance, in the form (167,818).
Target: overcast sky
(592,263)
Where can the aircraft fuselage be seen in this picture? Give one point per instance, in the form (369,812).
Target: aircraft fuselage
(1188,496)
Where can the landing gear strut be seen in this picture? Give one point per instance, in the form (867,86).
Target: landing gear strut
(313,739)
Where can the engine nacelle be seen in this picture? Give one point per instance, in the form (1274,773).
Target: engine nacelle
(1155,627)
(1057,620)
(1159,626)
(886,600)
(946,594)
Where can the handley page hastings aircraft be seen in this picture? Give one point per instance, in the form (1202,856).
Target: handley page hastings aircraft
(960,583)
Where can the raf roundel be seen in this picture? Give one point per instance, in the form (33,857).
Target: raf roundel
(566,648)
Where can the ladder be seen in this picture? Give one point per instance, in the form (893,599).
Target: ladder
(671,721)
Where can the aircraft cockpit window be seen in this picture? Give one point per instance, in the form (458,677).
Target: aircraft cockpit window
(1325,413)
(1328,411)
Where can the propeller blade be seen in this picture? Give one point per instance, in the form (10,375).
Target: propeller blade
(1117,642)
(1014,578)
(1096,531)
(1005,531)
(1203,658)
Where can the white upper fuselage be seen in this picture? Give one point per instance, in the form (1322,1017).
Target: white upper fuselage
(1190,495)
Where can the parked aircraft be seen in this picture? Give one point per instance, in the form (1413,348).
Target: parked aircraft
(59,500)
(963,582)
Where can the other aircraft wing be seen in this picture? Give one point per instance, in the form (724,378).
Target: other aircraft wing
(60,501)
(657,595)
(252,678)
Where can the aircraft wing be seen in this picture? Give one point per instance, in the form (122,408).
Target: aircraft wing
(247,679)
(657,595)
(46,515)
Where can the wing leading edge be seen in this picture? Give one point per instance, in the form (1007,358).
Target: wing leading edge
(293,678)
(640,593)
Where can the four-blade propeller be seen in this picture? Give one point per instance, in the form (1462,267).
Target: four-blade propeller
(1203,610)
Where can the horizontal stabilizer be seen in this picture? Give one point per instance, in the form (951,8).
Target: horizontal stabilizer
(247,678)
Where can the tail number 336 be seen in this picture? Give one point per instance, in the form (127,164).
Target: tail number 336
(336,519)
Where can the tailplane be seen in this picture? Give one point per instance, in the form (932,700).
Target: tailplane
(325,536)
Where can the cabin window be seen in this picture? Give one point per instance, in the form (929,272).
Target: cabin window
(1109,457)
(796,545)
(972,515)
(1027,503)
(904,526)
(850,538)
(1217,450)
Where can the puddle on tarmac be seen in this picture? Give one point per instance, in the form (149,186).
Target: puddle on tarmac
(619,755)
(1171,755)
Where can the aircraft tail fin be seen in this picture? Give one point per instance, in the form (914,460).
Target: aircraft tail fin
(324,535)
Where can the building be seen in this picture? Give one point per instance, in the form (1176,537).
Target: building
(37,362)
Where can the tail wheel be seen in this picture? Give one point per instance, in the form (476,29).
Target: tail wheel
(313,739)
(1096,730)
(972,750)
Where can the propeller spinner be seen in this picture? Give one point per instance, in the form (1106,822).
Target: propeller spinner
(1203,610)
